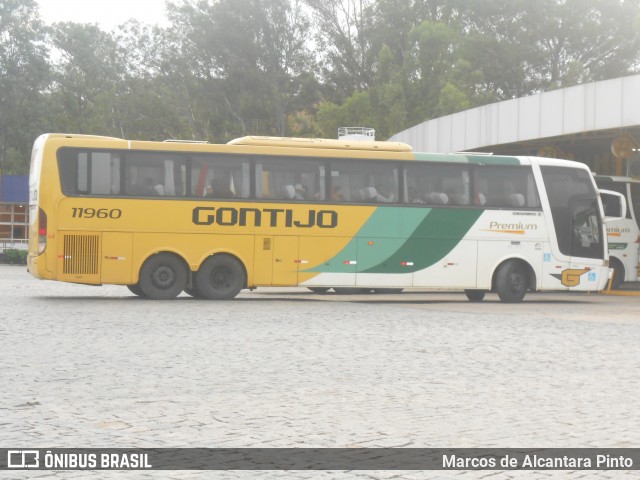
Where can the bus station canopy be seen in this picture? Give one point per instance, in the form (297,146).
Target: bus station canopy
(567,118)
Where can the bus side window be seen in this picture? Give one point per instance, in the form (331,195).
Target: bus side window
(290,179)
(151,174)
(220,176)
(620,187)
(611,205)
(365,183)
(72,180)
(438,184)
(505,187)
(85,172)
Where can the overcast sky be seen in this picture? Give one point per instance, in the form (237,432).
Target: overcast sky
(106,13)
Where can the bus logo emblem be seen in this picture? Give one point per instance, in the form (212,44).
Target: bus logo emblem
(571,276)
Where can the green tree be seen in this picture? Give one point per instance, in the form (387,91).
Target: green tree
(24,75)
(227,68)
(589,40)
(87,75)
(159,94)
(522,47)
(433,55)
(342,33)
(250,59)
(382,107)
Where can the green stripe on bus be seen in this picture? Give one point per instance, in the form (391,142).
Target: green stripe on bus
(376,229)
(385,243)
(467,158)
(440,157)
(436,236)
(428,235)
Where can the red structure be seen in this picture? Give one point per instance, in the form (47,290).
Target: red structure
(14,211)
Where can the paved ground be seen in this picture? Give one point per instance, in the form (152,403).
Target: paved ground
(97,367)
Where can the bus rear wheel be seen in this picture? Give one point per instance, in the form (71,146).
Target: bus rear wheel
(163,276)
(220,277)
(191,292)
(136,290)
(511,282)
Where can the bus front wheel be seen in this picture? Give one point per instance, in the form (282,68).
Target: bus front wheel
(618,273)
(511,282)
(162,277)
(220,277)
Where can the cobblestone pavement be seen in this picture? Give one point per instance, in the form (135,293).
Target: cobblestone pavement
(97,367)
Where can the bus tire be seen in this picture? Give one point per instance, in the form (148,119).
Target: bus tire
(191,292)
(388,291)
(618,273)
(136,290)
(511,281)
(475,295)
(320,290)
(221,277)
(163,276)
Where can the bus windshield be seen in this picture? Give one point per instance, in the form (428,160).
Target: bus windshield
(575,211)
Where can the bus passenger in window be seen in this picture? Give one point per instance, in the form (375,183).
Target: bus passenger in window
(218,189)
(145,188)
(480,199)
(336,194)
(382,195)
(414,196)
(301,192)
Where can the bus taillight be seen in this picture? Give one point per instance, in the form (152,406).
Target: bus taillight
(42,231)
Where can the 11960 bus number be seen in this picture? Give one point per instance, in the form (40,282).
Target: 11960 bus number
(113,213)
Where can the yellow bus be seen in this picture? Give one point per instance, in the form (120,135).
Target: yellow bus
(213,219)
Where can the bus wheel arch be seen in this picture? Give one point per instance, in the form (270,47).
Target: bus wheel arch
(163,276)
(220,277)
(511,280)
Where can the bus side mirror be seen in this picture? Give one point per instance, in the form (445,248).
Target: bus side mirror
(614,204)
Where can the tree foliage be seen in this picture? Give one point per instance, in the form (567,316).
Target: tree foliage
(24,77)
(227,68)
